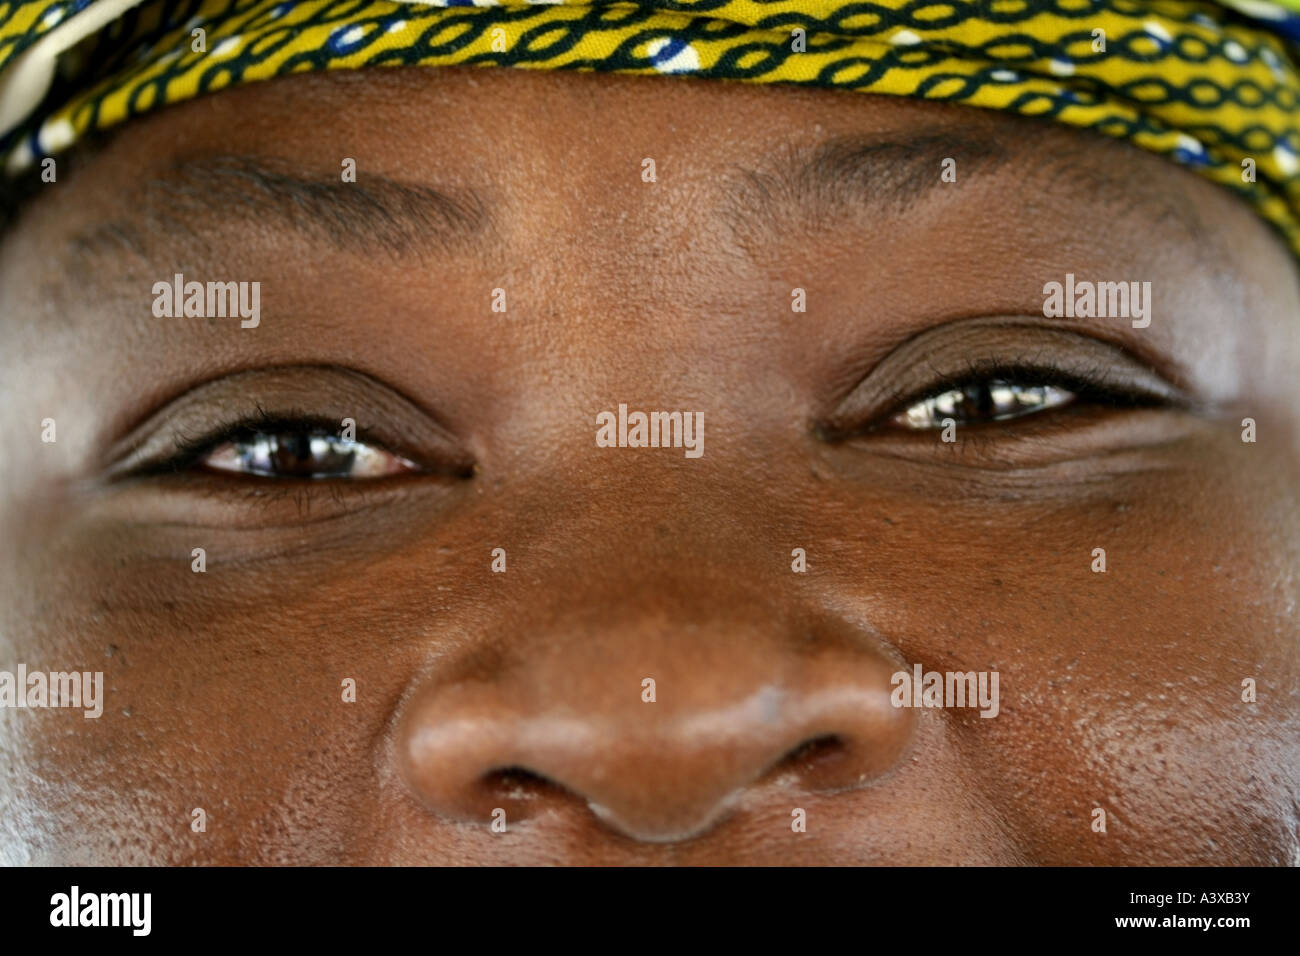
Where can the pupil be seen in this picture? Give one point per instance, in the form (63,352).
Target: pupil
(291,452)
(301,454)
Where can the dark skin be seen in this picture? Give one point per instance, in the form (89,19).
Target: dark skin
(523,690)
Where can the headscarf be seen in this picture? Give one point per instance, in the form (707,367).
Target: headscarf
(1213,86)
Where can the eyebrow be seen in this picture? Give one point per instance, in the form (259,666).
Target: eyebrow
(854,168)
(889,176)
(192,196)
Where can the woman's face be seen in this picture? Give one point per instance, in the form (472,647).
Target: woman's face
(507,266)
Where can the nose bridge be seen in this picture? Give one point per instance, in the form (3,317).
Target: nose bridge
(649,522)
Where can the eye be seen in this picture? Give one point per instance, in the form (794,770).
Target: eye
(1012,385)
(302,453)
(991,400)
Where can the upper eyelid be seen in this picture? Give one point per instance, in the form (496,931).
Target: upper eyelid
(943,353)
(383,415)
(189,449)
(1037,374)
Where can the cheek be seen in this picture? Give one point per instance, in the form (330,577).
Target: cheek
(1127,694)
(1120,690)
(226,693)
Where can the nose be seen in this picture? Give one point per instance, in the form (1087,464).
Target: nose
(657,736)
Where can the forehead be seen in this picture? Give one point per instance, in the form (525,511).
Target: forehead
(609,192)
(753,152)
(503,161)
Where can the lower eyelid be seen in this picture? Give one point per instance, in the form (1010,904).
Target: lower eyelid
(237,502)
(1077,432)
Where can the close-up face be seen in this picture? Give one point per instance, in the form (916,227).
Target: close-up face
(388,570)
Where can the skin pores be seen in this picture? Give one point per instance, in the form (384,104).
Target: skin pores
(224,691)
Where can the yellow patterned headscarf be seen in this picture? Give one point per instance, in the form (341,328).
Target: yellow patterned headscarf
(1213,86)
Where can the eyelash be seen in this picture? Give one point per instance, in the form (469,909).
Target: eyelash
(1089,384)
(191,448)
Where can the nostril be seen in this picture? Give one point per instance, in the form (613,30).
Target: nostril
(521,784)
(494,749)
(814,756)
